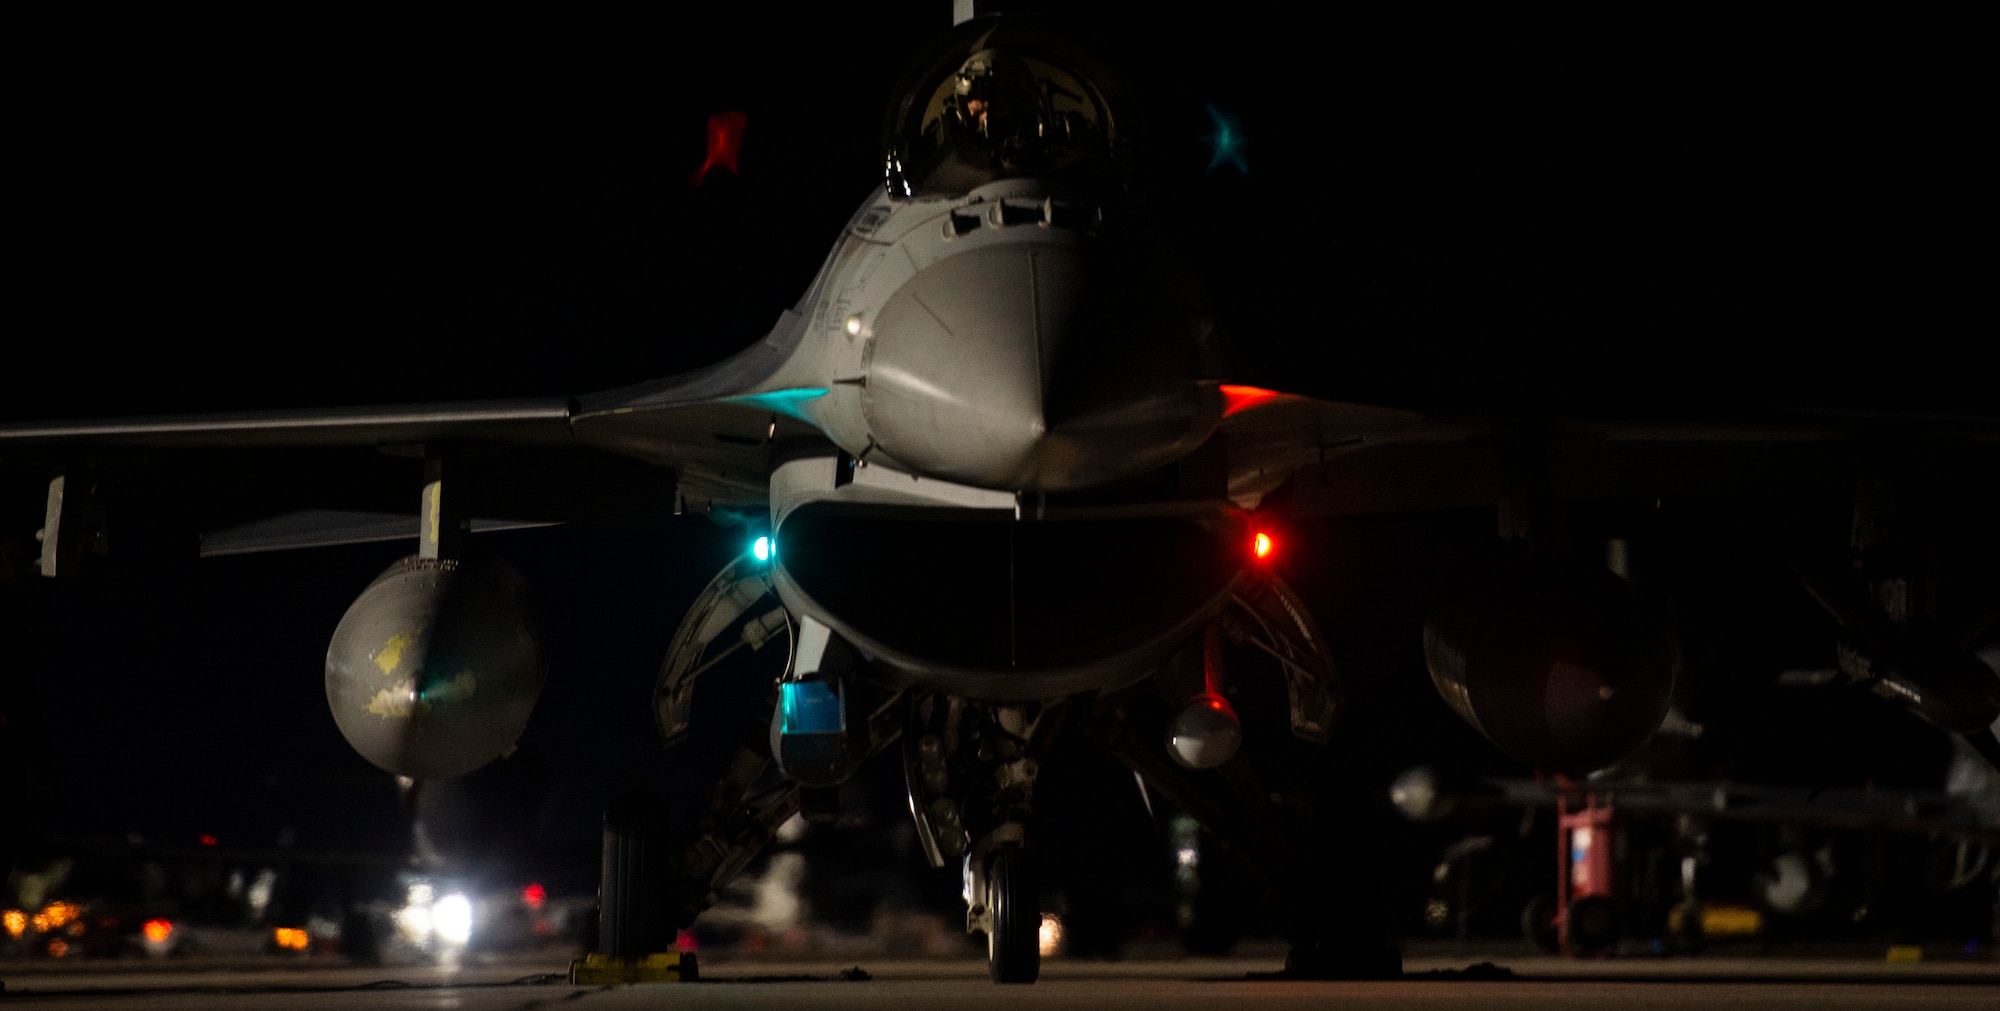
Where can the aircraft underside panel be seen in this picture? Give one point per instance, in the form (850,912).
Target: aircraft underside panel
(992,607)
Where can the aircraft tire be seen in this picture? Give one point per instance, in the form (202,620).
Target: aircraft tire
(1014,943)
(632,914)
(1593,925)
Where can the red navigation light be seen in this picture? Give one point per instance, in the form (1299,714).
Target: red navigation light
(207,840)
(725,142)
(157,931)
(1242,398)
(534,895)
(1262,545)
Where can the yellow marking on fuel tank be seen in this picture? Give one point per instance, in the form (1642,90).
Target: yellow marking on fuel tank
(398,700)
(391,653)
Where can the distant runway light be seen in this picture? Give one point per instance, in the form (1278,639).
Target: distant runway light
(1050,939)
(453,919)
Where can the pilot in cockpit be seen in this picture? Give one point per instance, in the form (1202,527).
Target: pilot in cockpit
(996,104)
(998,112)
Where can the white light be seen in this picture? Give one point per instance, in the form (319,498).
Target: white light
(415,923)
(762,549)
(854,326)
(259,897)
(452,918)
(1051,934)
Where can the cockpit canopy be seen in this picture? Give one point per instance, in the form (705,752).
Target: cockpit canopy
(999,99)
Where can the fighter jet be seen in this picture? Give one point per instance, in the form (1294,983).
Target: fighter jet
(993,376)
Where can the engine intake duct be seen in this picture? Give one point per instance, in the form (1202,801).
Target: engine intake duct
(980,590)
(1568,670)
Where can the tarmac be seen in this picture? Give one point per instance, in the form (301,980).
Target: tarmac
(1454,977)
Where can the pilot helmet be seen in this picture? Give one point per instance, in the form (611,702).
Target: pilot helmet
(994,95)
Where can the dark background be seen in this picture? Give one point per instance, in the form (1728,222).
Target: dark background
(1762,205)
(1772,203)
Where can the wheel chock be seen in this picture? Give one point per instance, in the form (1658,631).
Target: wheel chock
(663,967)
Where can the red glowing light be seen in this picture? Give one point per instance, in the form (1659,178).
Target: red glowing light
(725,141)
(534,895)
(157,931)
(1262,545)
(1242,398)
(207,840)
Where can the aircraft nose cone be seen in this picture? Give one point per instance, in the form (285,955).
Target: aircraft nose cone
(955,376)
(1031,366)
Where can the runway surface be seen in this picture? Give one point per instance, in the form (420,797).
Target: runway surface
(1767,984)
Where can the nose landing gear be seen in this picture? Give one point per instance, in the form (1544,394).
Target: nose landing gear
(1013,917)
(971,773)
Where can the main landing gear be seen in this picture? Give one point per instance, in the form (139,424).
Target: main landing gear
(971,766)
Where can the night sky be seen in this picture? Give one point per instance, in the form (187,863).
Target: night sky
(1581,201)
(1575,202)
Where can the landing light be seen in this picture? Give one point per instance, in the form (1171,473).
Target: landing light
(763,549)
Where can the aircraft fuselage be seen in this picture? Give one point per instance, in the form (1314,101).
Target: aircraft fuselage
(980,353)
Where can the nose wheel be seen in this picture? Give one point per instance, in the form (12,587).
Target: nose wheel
(1014,918)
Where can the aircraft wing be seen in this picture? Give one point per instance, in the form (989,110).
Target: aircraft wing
(712,428)
(284,479)
(1351,459)
(527,422)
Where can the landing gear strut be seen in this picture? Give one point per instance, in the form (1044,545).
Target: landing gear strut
(971,772)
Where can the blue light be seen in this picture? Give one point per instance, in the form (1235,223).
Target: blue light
(1226,143)
(762,549)
(811,707)
(790,403)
